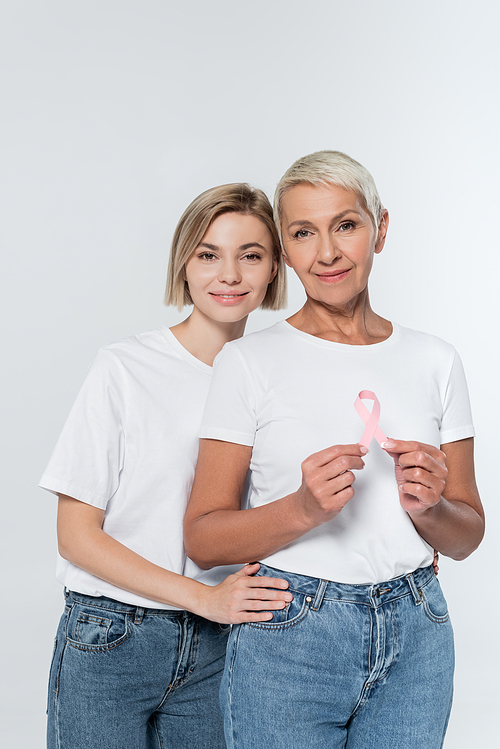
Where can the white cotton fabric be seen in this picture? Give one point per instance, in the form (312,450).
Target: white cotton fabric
(290,394)
(129,447)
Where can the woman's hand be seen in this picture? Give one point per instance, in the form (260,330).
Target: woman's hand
(327,482)
(435,562)
(421,474)
(244,598)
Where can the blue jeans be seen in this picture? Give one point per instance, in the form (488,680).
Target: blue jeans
(351,666)
(124,677)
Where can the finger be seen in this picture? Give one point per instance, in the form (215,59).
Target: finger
(264,595)
(325,456)
(248,569)
(339,483)
(407,446)
(341,465)
(426,497)
(420,476)
(266,582)
(247,616)
(316,478)
(424,460)
(342,497)
(256,605)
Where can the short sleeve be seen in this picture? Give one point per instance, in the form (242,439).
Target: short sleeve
(88,456)
(230,411)
(456,423)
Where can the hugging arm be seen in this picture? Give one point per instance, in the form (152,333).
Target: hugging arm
(239,598)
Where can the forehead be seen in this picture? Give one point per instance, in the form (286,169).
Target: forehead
(236,229)
(308,202)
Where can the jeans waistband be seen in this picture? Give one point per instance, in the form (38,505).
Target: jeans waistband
(138,612)
(370,594)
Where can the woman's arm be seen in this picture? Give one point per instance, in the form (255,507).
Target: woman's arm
(239,598)
(217,531)
(437,488)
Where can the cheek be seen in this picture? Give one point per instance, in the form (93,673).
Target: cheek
(259,275)
(198,277)
(296,260)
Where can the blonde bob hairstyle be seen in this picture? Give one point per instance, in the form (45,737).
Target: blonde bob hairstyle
(193,225)
(331,168)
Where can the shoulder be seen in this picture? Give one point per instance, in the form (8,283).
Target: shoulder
(254,344)
(138,347)
(252,351)
(115,362)
(420,341)
(135,345)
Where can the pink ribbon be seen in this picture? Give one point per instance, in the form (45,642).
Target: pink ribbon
(371,419)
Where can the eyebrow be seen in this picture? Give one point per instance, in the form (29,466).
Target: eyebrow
(214,247)
(334,219)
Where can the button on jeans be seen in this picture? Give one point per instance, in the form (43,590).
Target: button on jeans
(351,666)
(124,677)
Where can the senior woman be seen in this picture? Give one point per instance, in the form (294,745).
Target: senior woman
(363,655)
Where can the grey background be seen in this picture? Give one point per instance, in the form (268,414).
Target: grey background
(116,114)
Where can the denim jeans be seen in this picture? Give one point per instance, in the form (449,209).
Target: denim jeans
(124,677)
(351,666)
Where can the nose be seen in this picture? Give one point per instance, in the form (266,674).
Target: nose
(327,249)
(229,272)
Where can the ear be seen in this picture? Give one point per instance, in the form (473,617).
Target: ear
(285,258)
(274,270)
(382,231)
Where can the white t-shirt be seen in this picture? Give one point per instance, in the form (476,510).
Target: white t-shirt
(289,394)
(129,447)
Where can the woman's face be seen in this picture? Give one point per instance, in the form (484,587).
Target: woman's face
(230,270)
(329,241)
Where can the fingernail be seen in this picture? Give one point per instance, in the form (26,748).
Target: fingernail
(363,450)
(288,596)
(387,445)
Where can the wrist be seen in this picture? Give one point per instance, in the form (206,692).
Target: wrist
(301,519)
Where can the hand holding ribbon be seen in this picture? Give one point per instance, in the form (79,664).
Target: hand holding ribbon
(420,468)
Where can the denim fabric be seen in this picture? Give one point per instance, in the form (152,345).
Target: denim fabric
(351,666)
(124,677)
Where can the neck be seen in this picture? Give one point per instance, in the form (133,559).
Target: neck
(355,323)
(204,337)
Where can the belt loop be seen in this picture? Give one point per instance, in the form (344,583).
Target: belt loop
(417,597)
(139,615)
(320,594)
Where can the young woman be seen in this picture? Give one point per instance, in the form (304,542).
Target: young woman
(138,658)
(363,656)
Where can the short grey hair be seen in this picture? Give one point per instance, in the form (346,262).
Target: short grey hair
(331,168)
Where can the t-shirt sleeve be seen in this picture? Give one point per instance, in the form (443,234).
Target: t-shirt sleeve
(88,456)
(456,423)
(230,412)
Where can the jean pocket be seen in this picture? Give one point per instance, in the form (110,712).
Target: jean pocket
(434,602)
(222,629)
(293,613)
(94,629)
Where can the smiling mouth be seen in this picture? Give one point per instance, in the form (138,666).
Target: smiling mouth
(333,277)
(228,296)
(228,300)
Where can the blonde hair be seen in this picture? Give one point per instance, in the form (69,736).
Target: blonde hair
(193,225)
(331,168)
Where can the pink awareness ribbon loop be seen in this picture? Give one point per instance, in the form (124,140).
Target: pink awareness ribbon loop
(371,419)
